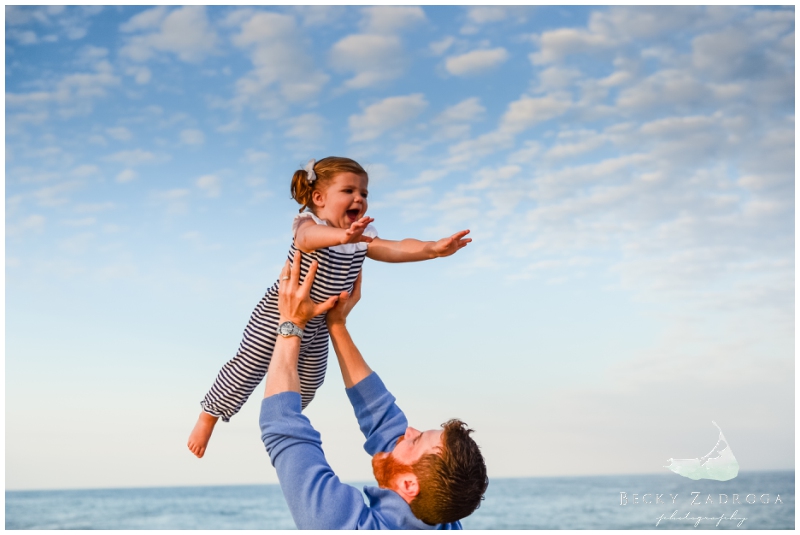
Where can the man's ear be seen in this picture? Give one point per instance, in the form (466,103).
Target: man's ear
(407,486)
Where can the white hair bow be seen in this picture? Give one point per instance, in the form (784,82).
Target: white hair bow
(309,168)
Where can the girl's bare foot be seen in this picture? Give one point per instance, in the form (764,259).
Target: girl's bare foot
(198,440)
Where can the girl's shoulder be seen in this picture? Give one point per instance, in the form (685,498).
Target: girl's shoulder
(303,216)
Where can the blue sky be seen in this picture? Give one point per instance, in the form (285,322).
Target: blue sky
(627,174)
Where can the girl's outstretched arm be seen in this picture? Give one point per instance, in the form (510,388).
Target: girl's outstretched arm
(411,250)
(311,236)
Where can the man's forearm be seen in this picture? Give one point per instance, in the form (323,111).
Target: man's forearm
(354,368)
(282,376)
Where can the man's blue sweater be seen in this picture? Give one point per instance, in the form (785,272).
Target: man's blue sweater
(316,497)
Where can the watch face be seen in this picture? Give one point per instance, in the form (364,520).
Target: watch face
(285,328)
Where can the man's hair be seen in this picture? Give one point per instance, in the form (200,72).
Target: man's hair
(451,483)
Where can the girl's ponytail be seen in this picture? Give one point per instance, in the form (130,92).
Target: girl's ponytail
(301,189)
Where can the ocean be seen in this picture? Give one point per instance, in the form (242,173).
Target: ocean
(753,500)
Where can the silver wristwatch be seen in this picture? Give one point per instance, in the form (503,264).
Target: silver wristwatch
(287,329)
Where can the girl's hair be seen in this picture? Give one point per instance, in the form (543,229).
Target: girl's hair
(325,169)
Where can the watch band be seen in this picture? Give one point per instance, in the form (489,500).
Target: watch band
(287,328)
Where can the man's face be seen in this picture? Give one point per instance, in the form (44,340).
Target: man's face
(410,448)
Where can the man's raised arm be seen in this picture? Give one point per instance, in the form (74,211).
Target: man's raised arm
(354,367)
(380,419)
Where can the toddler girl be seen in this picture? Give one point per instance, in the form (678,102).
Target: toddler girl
(333,230)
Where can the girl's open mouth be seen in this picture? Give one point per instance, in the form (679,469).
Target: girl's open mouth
(352,215)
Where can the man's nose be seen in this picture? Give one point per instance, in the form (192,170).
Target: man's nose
(411,433)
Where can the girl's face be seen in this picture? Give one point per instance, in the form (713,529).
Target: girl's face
(344,201)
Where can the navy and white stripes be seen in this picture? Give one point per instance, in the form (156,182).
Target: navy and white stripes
(337,271)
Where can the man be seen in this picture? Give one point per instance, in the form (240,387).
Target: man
(427,480)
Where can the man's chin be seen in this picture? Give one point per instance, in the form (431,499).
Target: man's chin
(385,469)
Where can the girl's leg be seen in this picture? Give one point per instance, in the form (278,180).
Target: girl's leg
(313,362)
(239,376)
(198,440)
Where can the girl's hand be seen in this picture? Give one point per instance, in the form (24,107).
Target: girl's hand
(355,233)
(448,246)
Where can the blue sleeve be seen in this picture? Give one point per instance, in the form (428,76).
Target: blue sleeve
(379,417)
(316,497)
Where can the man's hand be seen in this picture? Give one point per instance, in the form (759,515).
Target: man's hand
(338,314)
(448,246)
(355,233)
(294,299)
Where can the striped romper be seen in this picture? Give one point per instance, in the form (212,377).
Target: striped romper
(337,271)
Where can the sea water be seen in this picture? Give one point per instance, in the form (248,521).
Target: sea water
(662,501)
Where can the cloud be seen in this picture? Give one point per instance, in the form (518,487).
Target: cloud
(120,133)
(282,70)
(84,170)
(373,58)
(376,55)
(554,45)
(56,195)
(72,93)
(484,14)
(192,136)
(58,21)
(385,115)
(184,32)
(454,120)
(135,157)
(126,175)
(391,19)
(141,75)
(32,223)
(441,46)
(527,112)
(475,62)
(309,126)
(149,19)
(211,185)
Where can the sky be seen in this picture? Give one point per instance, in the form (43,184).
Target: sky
(627,175)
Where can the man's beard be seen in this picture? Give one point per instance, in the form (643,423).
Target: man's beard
(387,468)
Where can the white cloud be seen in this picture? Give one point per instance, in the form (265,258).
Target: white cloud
(454,121)
(484,14)
(141,75)
(390,19)
(373,58)
(554,45)
(282,70)
(126,175)
(171,195)
(255,156)
(526,112)
(149,19)
(555,78)
(211,185)
(308,126)
(669,86)
(192,136)
(184,32)
(441,46)
(385,115)
(84,170)
(475,62)
(134,157)
(34,223)
(120,133)
(83,222)
(73,93)
(55,195)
